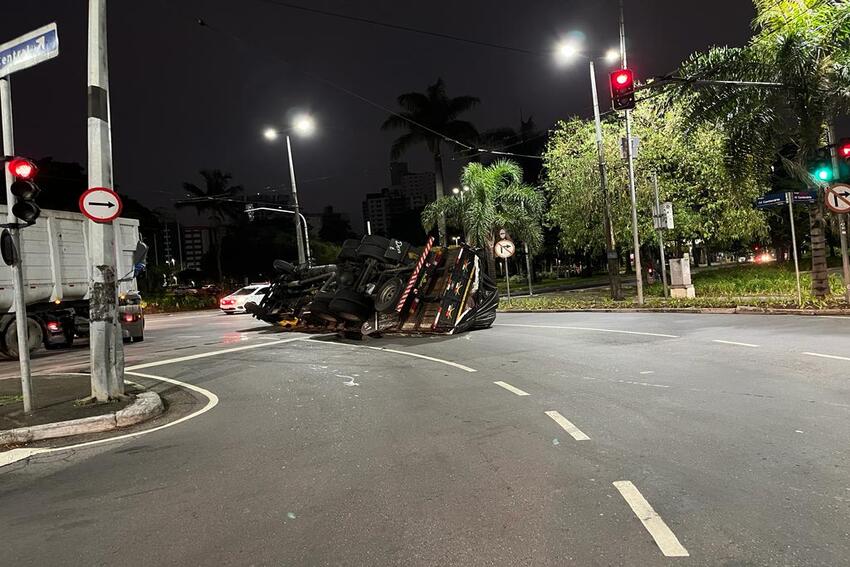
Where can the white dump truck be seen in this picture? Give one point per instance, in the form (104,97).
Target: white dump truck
(57,272)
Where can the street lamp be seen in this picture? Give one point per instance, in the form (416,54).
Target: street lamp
(303,125)
(565,52)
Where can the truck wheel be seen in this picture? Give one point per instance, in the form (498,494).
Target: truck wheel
(139,339)
(35,337)
(387,296)
(373,246)
(349,305)
(319,307)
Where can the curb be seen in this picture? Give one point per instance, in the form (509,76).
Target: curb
(741,310)
(144,407)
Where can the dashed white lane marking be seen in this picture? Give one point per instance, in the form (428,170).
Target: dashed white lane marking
(16,455)
(405,353)
(663,535)
(647,372)
(735,343)
(510,388)
(211,353)
(568,426)
(587,329)
(832,356)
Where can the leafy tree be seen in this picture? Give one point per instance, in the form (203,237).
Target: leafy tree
(216,199)
(497,198)
(805,46)
(431,118)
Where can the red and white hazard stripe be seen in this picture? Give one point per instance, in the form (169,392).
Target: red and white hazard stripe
(415,275)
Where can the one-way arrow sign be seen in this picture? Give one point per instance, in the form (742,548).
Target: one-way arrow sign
(100,204)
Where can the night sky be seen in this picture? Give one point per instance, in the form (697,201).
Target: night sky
(186,97)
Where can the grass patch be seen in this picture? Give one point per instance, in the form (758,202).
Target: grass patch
(6,400)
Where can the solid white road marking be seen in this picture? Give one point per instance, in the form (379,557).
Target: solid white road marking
(568,426)
(211,353)
(734,343)
(587,329)
(832,356)
(16,455)
(405,353)
(510,388)
(663,535)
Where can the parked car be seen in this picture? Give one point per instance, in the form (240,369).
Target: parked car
(235,302)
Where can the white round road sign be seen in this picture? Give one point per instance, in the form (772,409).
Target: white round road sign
(837,198)
(504,248)
(100,204)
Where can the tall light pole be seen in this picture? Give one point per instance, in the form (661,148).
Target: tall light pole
(305,126)
(565,52)
(631,159)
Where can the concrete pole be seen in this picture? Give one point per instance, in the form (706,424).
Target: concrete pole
(17,269)
(660,236)
(302,258)
(631,159)
(106,348)
(790,197)
(842,219)
(528,267)
(607,224)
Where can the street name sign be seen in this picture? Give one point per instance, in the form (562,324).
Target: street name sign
(837,198)
(771,200)
(100,204)
(505,248)
(29,49)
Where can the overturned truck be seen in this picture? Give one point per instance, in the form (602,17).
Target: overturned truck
(380,285)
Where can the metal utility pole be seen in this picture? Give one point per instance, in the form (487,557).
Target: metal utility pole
(607,224)
(790,197)
(635,235)
(507,280)
(528,268)
(17,268)
(660,236)
(106,348)
(842,219)
(299,239)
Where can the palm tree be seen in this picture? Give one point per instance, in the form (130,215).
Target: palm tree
(497,198)
(216,197)
(802,44)
(431,119)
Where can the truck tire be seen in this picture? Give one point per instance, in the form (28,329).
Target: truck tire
(283,267)
(320,307)
(35,337)
(373,246)
(349,305)
(387,296)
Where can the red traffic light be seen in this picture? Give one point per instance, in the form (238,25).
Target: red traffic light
(623,89)
(22,168)
(844,148)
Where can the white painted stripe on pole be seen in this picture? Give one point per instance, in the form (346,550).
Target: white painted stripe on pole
(832,356)
(510,388)
(735,343)
(16,455)
(568,426)
(570,328)
(211,353)
(405,353)
(664,537)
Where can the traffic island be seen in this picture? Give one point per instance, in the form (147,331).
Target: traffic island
(60,413)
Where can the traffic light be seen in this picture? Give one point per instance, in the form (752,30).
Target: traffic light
(843,149)
(24,188)
(623,89)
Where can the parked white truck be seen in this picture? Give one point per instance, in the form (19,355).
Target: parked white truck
(57,272)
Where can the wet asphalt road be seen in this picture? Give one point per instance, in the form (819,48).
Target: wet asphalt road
(726,434)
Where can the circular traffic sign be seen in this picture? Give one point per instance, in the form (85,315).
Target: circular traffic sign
(837,198)
(100,204)
(504,248)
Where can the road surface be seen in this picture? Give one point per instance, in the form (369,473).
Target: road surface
(550,439)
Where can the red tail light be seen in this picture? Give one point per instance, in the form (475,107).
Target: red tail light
(227,302)
(129,317)
(54,326)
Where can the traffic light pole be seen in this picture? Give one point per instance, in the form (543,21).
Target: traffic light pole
(607,224)
(106,349)
(17,268)
(660,236)
(842,219)
(631,159)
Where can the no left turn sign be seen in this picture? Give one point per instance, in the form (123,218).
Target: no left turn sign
(100,204)
(837,198)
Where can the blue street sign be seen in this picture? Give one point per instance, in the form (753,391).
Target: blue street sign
(29,49)
(771,200)
(806,197)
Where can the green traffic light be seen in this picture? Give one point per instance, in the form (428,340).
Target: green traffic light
(824,173)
